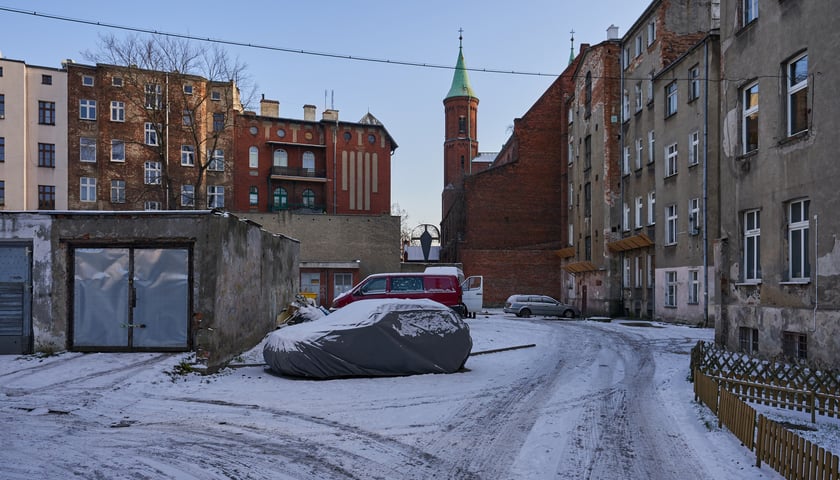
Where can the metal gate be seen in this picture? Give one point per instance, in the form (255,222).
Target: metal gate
(15,299)
(131,299)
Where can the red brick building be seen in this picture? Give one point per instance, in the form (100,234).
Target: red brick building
(311,166)
(507,221)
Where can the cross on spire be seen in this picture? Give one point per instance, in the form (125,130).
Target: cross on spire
(460,37)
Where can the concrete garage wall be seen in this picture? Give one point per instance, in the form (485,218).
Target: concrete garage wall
(243,276)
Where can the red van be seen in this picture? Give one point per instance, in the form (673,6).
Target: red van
(441,288)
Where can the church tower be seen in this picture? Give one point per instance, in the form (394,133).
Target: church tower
(460,144)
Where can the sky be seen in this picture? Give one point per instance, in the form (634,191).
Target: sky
(529,37)
(565,406)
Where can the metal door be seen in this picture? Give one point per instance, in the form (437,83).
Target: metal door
(127,299)
(15,299)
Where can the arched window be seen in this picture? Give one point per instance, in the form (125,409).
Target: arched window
(309,161)
(587,98)
(281,198)
(281,158)
(253,157)
(308,198)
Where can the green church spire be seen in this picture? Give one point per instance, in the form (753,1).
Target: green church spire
(460,81)
(572,49)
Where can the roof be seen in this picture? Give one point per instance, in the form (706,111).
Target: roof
(460,81)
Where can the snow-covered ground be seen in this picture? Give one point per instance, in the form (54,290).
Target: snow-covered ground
(581,399)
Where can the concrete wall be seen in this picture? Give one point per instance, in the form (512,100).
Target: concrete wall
(243,277)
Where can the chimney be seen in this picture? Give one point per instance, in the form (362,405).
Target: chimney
(330,115)
(612,33)
(269,108)
(309,113)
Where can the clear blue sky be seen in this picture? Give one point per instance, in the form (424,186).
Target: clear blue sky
(530,36)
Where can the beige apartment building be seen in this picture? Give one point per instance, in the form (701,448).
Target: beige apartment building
(33,137)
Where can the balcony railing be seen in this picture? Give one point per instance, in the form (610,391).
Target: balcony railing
(297,172)
(299,208)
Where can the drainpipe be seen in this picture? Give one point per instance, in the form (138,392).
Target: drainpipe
(816,272)
(166,148)
(706,184)
(334,175)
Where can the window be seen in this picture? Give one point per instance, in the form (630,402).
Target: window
(151,137)
(797,92)
(253,157)
(187,195)
(87,81)
(671,154)
(639,208)
(309,161)
(281,158)
(694,216)
(117,111)
(651,147)
(117,82)
(46,79)
(795,345)
(651,32)
(281,198)
(587,248)
(639,100)
(215,96)
(46,113)
(625,160)
(650,87)
(308,198)
(693,83)
(571,116)
(154,96)
(217,161)
(639,152)
(151,173)
(693,148)
(87,189)
(571,150)
(218,122)
(752,246)
(625,106)
(2,192)
(187,117)
(749,117)
(46,155)
(626,57)
(151,205)
(693,287)
(670,99)
(587,152)
(587,100)
(87,149)
(639,43)
(798,247)
(625,272)
(671,289)
(625,218)
(462,124)
(215,196)
(651,217)
(587,198)
(1,71)
(187,155)
(571,234)
(750,8)
(671,225)
(3,106)
(117,191)
(748,339)
(87,109)
(571,195)
(253,196)
(46,197)
(117,151)
(2,149)
(649,269)
(638,271)
(343,283)
(188,89)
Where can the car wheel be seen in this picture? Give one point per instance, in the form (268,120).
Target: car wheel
(525,313)
(569,313)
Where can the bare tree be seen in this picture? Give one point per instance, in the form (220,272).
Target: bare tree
(186,96)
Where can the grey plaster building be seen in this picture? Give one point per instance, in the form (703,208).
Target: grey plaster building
(778,255)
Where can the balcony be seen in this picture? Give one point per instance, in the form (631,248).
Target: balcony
(299,208)
(304,174)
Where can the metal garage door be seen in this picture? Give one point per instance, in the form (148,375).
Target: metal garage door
(131,299)
(15,301)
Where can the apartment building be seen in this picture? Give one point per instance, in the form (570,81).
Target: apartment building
(33,137)
(778,255)
(148,140)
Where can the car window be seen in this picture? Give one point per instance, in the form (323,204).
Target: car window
(406,284)
(440,284)
(377,285)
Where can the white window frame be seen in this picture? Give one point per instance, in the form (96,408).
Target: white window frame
(150,134)
(308,161)
(117,191)
(571,234)
(670,288)
(638,271)
(671,159)
(154,96)
(625,160)
(187,195)
(799,209)
(671,218)
(571,195)
(117,111)
(650,86)
(87,109)
(693,83)
(693,287)
(639,98)
(749,114)
(651,201)
(253,157)
(639,44)
(625,271)
(671,99)
(694,216)
(640,147)
(793,89)
(215,95)
(116,81)
(87,150)
(215,196)
(118,151)
(625,105)
(151,173)
(216,162)
(151,205)
(651,146)
(87,189)
(187,155)
(693,148)
(639,209)
(87,81)
(649,270)
(188,89)
(750,11)
(280,158)
(625,223)
(651,32)
(752,246)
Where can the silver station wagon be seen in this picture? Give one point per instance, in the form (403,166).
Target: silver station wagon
(541,305)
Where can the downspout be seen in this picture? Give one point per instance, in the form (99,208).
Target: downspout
(621,67)
(816,272)
(706,184)
(334,174)
(166,147)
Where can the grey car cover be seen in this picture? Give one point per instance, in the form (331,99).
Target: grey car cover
(372,338)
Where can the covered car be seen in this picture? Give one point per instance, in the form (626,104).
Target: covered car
(384,337)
